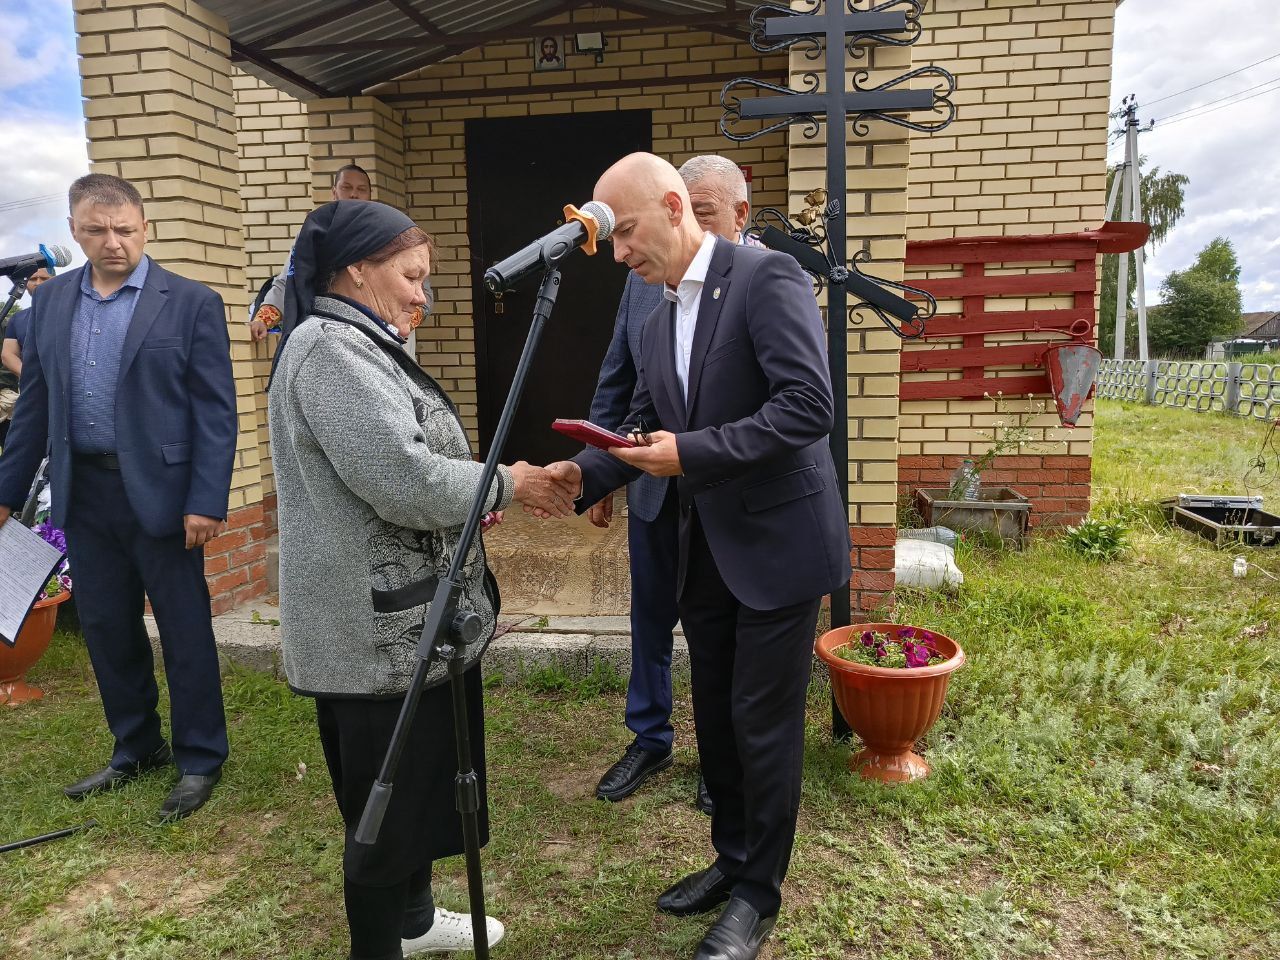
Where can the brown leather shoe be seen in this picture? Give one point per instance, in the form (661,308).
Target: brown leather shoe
(112,779)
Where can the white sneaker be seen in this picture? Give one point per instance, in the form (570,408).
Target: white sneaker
(451,931)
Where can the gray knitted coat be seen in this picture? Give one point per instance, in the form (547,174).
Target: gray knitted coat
(374,476)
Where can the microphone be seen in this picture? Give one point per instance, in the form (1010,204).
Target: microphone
(47,257)
(582,228)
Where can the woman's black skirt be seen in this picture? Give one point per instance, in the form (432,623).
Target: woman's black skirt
(422,822)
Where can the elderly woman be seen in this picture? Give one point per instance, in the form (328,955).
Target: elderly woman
(374,477)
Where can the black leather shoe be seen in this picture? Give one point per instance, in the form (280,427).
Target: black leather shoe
(737,935)
(624,777)
(112,779)
(704,801)
(188,796)
(696,893)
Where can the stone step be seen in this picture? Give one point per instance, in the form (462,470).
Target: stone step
(250,637)
(561,566)
(518,654)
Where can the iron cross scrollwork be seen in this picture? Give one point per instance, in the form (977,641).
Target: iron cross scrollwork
(842,26)
(805,237)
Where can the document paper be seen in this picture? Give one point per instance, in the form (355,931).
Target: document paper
(26,564)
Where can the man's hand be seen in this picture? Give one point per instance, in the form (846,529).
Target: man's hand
(257,330)
(568,477)
(200,530)
(601,513)
(4,515)
(543,493)
(656,454)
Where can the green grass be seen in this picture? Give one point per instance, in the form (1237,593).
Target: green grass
(1106,782)
(1272,358)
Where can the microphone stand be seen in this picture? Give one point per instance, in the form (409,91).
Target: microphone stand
(28,515)
(445,630)
(19,280)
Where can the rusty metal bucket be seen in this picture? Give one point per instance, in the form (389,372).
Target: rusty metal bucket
(1072,367)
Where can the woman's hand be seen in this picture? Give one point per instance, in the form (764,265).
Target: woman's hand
(543,492)
(266,318)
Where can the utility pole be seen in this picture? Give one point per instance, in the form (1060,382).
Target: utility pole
(1139,255)
(1128,184)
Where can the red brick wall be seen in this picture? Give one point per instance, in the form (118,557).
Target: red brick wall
(235,563)
(871,585)
(1056,485)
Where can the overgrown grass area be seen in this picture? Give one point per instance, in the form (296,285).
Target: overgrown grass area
(1272,358)
(1106,781)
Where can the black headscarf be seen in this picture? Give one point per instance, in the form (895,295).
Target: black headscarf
(333,236)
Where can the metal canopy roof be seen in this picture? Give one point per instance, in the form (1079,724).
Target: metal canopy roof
(322,48)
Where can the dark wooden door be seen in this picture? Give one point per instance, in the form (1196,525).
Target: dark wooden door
(520,173)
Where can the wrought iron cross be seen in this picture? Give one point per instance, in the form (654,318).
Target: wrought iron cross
(817,241)
(776,27)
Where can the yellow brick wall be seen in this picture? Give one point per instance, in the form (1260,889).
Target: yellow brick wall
(359,130)
(159,112)
(685,123)
(1025,155)
(275,190)
(876,220)
(289,151)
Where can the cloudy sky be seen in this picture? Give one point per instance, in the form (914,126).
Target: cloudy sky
(1224,135)
(1225,143)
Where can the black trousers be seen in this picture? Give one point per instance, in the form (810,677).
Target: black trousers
(379,916)
(387,885)
(750,675)
(113,561)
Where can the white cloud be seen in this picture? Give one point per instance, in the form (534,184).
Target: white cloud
(20,65)
(52,153)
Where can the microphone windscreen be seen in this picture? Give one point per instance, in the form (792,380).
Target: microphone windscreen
(603,215)
(60,255)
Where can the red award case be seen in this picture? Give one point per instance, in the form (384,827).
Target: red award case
(584,431)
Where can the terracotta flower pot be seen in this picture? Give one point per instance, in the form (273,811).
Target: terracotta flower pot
(889,708)
(33,641)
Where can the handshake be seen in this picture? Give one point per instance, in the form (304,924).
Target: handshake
(548,491)
(551,491)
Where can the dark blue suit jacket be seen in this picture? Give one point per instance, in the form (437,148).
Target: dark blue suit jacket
(753,435)
(617,385)
(175,413)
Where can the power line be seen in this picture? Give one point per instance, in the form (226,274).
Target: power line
(1196,116)
(1192,113)
(1214,80)
(1219,100)
(29,202)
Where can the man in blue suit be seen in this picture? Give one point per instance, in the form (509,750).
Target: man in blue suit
(126,377)
(718,199)
(733,390)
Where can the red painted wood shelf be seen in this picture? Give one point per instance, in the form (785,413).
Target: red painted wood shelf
(979,317)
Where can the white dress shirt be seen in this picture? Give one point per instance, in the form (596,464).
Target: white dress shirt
(686,296)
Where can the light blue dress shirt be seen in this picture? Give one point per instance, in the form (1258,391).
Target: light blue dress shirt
(97,343)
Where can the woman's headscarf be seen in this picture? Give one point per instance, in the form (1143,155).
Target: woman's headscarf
(333,236)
